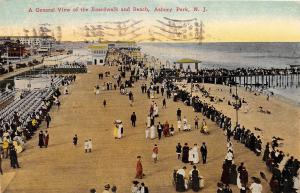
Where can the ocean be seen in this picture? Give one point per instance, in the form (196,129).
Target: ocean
(233,55)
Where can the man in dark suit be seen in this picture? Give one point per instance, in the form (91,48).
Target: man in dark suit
(203,150)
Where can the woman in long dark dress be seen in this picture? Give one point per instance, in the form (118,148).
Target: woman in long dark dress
(185,153)
(41,139)
(180,183)
(195,180)
(266,153)
(226,173)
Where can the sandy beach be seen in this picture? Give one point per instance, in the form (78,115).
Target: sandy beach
(65,168)
(283,120)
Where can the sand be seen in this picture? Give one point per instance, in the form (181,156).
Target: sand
(283,122)
(65,168)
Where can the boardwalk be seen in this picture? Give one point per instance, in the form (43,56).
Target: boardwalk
(64,168)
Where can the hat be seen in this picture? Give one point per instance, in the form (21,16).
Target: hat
(93,190)
(107,186)
(135,182)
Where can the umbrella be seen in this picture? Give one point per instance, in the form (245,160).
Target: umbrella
(118,121)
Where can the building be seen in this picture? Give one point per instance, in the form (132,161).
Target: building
(41,43)
(12,51)
(187,64)
(98,53)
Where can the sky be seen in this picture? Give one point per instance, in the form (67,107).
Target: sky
(223,21)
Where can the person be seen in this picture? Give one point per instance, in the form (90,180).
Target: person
(179,125)
(86,146)
(159,130)
(194,175)
(191,158)
(227,189)
(155,153)
(104,103)
(139,168)
(164,103)
(225,177)
(181,180)
(93,190)
(41,139)
(1,171)
(106,188)
(185,153)
(120,130)
(147,131)
(135,187)
(48,120)
(75,140)
(178,150)
(172,130)
(90,146)
(114,189)
(5,147)
(46,138)
(243,176)
(143,188)
(256,187)
(220,187)
(203,150)
(13,157)
(196,122)
(133,119)
(166,130)
(229,156)
(195,154)
(178,113)
(130,95)
(152,132)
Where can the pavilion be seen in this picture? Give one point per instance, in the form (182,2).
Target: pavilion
(187,64)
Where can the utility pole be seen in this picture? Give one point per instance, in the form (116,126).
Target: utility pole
(7,56)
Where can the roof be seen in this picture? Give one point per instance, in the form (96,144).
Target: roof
(117,42)
(98,47)
(187,60)
(7,37)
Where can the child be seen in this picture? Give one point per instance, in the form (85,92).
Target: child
(172,130)
(179,125)
(86,146)
(90,145)
(155,153)
(104,103)
(178,150)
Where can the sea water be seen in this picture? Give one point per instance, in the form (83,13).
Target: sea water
(233,55)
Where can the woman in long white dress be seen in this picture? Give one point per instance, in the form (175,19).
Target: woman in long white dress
(148,121)
(147,132)
(155,109)
(191,159)
(120,128)
(195,154)
(152,132)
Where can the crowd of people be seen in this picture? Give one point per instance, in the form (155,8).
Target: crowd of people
(20,128)
(230,175)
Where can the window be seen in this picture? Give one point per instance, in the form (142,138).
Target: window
(101,61)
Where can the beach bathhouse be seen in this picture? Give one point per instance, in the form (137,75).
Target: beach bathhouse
(98,53)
